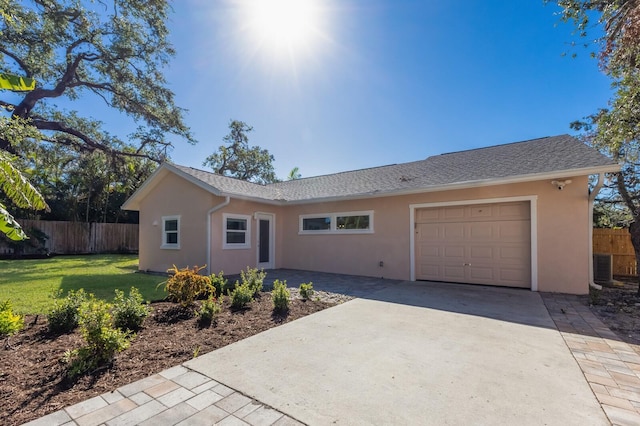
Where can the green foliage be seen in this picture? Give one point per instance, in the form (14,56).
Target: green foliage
(20,191)
(65,315)
(10,323)
(186,284)
(210,309)
(306,290)
(129,312)
(254,279)
(239,160)
(103,340)
(280,296)
(219,283)
(241,295)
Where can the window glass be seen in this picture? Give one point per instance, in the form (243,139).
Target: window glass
(236,224)
(352,222)
(236,231)
(171,231)
(316,223)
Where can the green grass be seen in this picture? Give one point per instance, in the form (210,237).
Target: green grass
(30,283)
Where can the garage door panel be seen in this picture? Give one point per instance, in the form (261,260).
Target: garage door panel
(480,253)
(481,244)
(453,231)
(453,273)
(454,253)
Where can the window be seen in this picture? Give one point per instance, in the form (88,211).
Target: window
(237,231)
(337,223)
(170,232)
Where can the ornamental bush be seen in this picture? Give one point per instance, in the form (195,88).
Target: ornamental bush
(129,312)
(103,340)
(209,309)
(306,290)
(254,279)
(63,318)
(241,295)
(186,284)
(280,296)
(10,323)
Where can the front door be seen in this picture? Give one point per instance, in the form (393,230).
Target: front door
(266,241)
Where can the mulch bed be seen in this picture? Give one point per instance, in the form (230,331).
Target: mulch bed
(619,308)
(32,377)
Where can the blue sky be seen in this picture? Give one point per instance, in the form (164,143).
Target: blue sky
(380,82)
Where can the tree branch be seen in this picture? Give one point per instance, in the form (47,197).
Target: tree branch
(18,61)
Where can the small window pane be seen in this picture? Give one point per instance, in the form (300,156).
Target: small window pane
(172,238)
(316,223)
(171,225)
(352,222)
(236,237)
(237,224)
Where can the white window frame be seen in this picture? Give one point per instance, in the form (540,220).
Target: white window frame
(333,224)
(165,245)
(247,240)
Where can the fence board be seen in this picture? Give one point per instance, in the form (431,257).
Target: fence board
(616,242)
(81,238)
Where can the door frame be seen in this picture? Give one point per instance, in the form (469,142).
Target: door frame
(271,217)
(533,205)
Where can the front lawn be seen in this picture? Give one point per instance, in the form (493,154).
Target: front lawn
(29,283)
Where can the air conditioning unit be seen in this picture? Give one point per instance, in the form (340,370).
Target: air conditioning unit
(603,268)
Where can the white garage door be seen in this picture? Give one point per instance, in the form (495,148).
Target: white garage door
(476,244)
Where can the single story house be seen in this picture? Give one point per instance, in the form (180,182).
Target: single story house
(517,215)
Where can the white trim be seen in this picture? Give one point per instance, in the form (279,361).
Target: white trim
(271,217)
(247,239)
(334,218)
(533,206)
(167,246)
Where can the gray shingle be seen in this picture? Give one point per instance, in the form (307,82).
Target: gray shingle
(520,159)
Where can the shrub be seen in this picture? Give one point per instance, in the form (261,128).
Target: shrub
(10,323)
(219,284)
(280,296)
(185,285)
(306,290)
(241,295)
(63,318)
(102,338)
(210,309)
(130,312)
(254,279)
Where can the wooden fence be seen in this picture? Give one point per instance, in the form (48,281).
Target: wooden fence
(78,237)
(616,242)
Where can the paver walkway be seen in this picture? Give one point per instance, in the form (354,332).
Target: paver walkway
(610,366)
(177,396)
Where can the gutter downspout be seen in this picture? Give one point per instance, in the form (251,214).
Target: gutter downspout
(592,197)
(226,202)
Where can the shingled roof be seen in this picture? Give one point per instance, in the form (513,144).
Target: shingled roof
(556,157)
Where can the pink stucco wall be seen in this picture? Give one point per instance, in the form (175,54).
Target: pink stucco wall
(562,238)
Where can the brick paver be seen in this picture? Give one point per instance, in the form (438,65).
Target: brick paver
(611,366)
(177,396)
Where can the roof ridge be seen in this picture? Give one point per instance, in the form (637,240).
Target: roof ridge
(501,145)
(219,175)
(337,173)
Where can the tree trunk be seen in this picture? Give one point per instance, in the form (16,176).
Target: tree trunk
(634,230)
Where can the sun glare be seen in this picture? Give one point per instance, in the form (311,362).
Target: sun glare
(282,24)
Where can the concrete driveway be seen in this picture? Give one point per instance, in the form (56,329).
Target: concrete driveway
(415,353)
